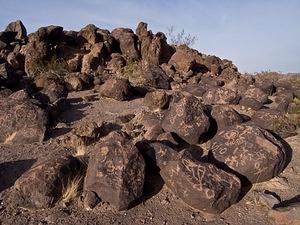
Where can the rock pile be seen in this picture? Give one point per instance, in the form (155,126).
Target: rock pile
(189,98)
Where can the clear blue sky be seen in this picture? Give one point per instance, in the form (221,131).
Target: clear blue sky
(256,34)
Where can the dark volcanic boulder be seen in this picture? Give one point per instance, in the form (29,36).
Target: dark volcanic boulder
(128,42)
(116,171)
(21,121)
(257,94)
(220,96)
(18,29)
(186,118)
(274,121)
(201,185)
(116,88)
(156,100)
(251,103)
(44,184)
(146,77)
(250,151)
(225,116)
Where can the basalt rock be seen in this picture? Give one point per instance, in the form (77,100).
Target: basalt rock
(128,43)
(18,29)
(201,185)
(186,118)
(220,96)
(116,88)
(44,184)
(257,94)
(225,116)
(249,151)
(156,100)
(22,122)
(147,77)
(274,121)
(116,171)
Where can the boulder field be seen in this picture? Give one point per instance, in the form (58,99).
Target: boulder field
(208,131)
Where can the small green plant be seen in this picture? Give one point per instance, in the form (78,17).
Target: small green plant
(180,38)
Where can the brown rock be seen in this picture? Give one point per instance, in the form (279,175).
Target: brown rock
(156,100)
(225,116)
(234,148)
(128,43)
(21,121)
(94,59)
(257,94)
(44,184)
(18,29)
(201,185)
(220,96)
(116,171)
(186,118)
(251,103)
(116,88)
(274,121)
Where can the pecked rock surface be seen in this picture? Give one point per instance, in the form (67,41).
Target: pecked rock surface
(251,152)
(21,121)
(116,171)
(201,185)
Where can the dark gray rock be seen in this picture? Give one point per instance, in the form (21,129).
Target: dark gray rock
(116,171)
(186,118)
(250,151)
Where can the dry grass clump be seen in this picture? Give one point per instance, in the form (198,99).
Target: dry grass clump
(73,189)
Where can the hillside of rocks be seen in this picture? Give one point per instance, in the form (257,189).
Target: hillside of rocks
(122,127)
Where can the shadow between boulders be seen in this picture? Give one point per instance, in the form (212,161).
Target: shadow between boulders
(295,201)
(57,132)
(287,148)
(11,171)
(152,186)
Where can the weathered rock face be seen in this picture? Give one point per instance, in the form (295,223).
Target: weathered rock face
(156,100)
(116,171)
(147,77)
(128,43)
(18,29)
(44,184)
(251,103)
(186,118)
(89,34)
(40,47)
(201,185)
(21,121)
(116,88)
(225,116)
(274,121)
(77,81)
(8,76)
(220,96)
(250,151)
(116,63)
(183,60)
(154,48)
(94,59)
(257,94)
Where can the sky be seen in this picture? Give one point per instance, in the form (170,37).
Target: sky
(257,35)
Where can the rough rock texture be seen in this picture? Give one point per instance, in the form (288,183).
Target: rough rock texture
(201,185)
(225,116)
(220,96)
(44,184)
(116,171)
(116,88)
(18,29)
(257,94)
(147,77)
(128,42)
(274,121)
(186,118)
(21,121)
(156,100)
(251,103)
(250,151)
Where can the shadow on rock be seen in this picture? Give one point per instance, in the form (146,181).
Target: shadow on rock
(287,148)
(11,171)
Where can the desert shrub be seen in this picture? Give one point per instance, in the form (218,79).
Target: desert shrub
(54,65)
(180,38)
